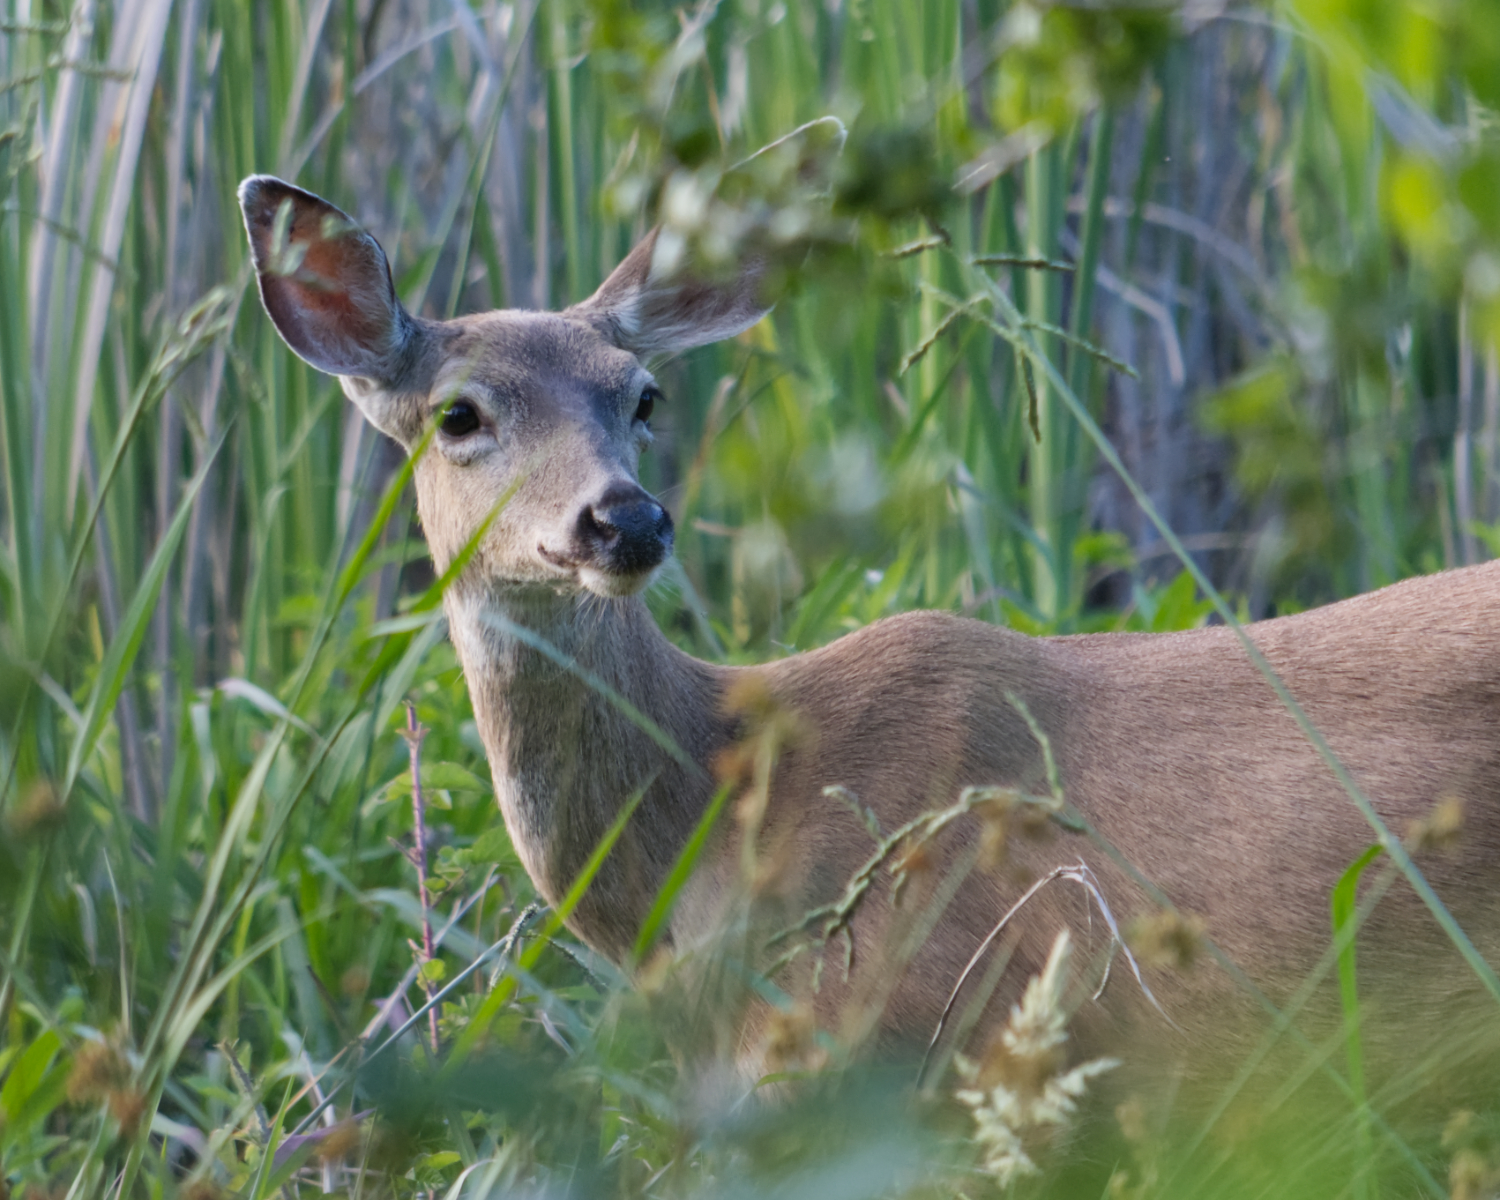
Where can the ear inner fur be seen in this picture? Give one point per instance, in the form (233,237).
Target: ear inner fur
(328,288)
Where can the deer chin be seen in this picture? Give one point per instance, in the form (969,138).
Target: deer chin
(615,585)
(584,578)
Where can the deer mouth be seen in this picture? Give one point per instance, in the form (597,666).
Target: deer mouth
(607,575)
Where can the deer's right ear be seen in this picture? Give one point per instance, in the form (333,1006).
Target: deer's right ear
(649,305)
(327,286)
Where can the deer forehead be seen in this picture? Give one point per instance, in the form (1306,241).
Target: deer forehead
(535,359)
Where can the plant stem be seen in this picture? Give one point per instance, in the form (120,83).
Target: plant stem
(414,733)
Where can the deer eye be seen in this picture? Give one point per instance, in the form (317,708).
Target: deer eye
(643,409)
(459,419)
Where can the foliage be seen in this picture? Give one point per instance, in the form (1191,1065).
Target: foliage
(214,601)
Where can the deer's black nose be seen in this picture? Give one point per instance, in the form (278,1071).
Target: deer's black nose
(625,531)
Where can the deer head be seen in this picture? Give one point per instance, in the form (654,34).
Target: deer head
(543,414)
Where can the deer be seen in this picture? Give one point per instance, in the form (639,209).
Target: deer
(1189,781)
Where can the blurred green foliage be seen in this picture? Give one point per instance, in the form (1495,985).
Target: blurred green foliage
(213,598)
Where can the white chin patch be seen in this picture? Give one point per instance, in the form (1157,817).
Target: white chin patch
(613,586)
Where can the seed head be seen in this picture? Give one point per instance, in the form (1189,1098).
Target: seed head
(1132,1118)
(1166,939)
(1019,1093)
(1441,829)
(339,1142)
(791,1041)
(98,1070)
(1471,1176)
(38,811)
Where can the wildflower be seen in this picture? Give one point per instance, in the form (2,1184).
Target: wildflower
(1019,1093)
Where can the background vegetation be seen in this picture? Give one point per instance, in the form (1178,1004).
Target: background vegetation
(1283,218)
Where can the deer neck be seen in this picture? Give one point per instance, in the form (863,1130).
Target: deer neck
(550,677)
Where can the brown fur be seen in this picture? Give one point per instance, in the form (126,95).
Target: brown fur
(1172,746)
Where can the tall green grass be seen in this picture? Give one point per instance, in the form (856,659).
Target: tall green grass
(216,601)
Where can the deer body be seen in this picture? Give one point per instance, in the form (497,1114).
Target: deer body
(1173,747)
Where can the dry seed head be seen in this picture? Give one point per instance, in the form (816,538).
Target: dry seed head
(1441,829)
(1122,1187)
(1003,812)
(39,810)
(761,712)
(201,1189)
(127,1106)
(914,860)
(355,981)
(734,764)
(1166,939)
(1459,1129)
(99,1069)
(1471,1176)
(791,1041)
(339,1142)
(652,975)
(1019,1094)
(748,695)
(1131,1114)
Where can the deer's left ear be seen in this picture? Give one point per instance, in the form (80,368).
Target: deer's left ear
(645,311)
(325,283)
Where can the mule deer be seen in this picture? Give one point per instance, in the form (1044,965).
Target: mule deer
(1172,746)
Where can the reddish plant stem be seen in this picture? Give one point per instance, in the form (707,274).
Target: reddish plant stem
(414,734)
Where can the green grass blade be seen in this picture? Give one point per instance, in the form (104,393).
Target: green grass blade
(682,870)
(475,1031)
(123,647)
(1344,902)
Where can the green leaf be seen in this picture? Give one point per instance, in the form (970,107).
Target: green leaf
(435,777)
(491,846)
(27,1074)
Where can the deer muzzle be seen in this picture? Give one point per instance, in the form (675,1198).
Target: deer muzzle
(620,539)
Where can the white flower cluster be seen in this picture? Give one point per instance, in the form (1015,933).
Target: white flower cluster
(1030,1095)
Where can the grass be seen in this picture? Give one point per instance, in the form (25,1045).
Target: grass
(216,604)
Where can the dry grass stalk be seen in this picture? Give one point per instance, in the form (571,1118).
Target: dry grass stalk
(1019,1094)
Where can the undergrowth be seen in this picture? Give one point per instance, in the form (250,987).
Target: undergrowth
(1255,248)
